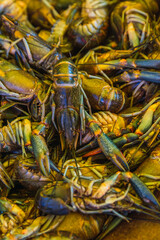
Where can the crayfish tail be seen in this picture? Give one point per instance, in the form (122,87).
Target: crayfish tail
(68,128)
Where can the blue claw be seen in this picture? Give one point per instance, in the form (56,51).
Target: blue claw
(142,190)
(107,146)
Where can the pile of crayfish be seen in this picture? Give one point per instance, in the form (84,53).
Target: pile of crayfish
(80,117)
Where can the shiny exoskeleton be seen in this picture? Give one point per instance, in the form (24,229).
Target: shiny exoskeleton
(67,103)
(15,9)
(105,198)
(37,51)
(102,96)
(91,24)
(131,21)
(69,115)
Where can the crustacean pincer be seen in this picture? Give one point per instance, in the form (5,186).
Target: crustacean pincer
(69,133)
(107,146)
(67,105)
(66,99)
(106,197)
(25,134)
(143,129)
(111,124)
(38,52)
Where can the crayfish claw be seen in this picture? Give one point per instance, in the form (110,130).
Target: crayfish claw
(41,153)
(29,231)
(107,146)
(44,164)
(5,178)
(7,205)
(54,168)
(120,161)
(142,190)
